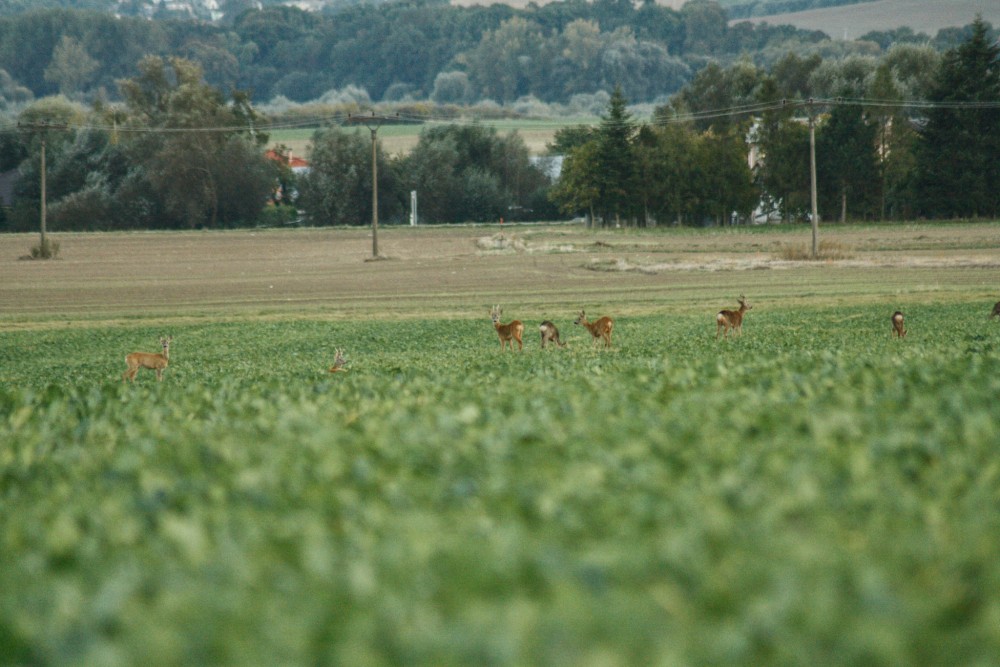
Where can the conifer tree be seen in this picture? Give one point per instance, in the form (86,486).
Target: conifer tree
(958,157)
(614,165)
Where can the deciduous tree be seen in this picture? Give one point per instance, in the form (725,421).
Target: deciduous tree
(71,67)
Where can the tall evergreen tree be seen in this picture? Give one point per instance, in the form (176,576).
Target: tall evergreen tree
(958,159)
(614,164)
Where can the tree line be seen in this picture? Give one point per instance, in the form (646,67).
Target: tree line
(913,134)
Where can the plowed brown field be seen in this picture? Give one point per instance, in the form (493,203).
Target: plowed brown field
(460,271)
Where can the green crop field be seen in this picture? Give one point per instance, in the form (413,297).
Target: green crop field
(400,139)
(812,492)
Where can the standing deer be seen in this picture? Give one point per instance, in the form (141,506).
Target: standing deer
(731,319)
(600,329)
(897,325)
(154,362)
(550,334)
(338,363)
(996,310)
(508,333)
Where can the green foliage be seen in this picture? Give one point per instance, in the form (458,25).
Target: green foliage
(577,188)
(45,250)
(180,175)
(277,216)
(813,488)
(958,171)
(846,150)
(663,172)
(614,161)
(71,67)
(553,51)
(470,173)
(337,190)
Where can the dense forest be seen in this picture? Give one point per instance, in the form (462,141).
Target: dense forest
(226,10)
(421,49)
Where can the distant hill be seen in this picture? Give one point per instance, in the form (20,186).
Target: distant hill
(853,21)
(521,4)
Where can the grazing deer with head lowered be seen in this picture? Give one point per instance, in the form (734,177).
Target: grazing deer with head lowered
(338,363)
(509,332)
(898,329)
(599,329)
(550,334)
(996,310)
(731,319)
(154,362)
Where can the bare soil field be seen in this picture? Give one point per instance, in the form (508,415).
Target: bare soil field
(459,271)
(853,21)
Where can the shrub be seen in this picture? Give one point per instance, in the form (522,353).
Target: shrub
(47,249)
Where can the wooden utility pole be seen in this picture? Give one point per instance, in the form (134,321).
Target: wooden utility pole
(373,123)
(42,129)
(814,217)
(43,244)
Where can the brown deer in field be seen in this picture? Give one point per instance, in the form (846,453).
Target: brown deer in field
(731,319)
(338,363)
(550,334)
(154,362)
(996,310)
(898,329)
(599,329)
(509,332)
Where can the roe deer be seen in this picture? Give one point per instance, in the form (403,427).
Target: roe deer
(897,325)
(154,362)
(550,334)
(996,310)
(338,363)
(508,333)
(600,329)
(731,319)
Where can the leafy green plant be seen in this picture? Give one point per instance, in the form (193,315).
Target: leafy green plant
(799,492)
